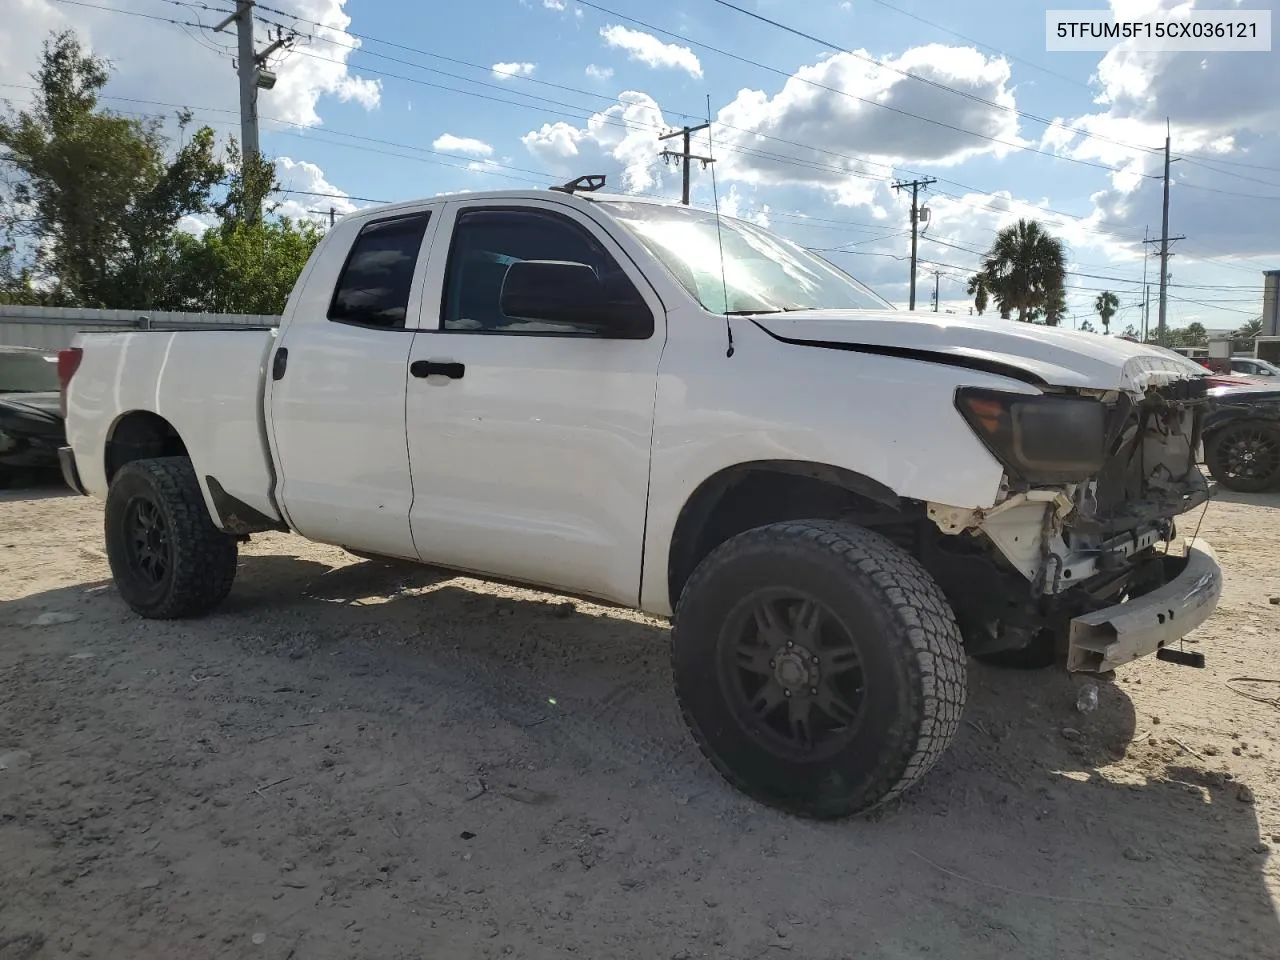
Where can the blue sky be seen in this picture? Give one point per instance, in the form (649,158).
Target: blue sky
(394,99)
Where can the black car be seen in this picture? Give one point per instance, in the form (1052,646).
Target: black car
(31,422)
(1242,435)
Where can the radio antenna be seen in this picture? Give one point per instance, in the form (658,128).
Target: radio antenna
(715,197)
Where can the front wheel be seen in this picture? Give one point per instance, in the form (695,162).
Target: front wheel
(818,666)
(1245,456)
(167,558)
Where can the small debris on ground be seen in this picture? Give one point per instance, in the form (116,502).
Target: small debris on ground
(1087,698)
(53,618)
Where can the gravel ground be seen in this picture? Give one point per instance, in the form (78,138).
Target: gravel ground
(351,759)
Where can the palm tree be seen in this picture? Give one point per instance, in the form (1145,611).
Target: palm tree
(978,290)
(1025,270)
(1106,306)
(1251,330)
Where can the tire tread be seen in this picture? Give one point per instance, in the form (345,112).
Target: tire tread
(936,648)
(204,558)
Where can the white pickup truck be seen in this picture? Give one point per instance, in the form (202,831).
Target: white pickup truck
(639,402)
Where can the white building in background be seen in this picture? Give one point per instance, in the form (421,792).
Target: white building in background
(1271,303)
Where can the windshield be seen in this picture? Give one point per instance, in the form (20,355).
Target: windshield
(762,272)
(28,373)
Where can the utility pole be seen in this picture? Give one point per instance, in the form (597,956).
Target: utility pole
(915,186)
(686,156)
(937,278)
(1164,241)
(1146,300)
(333,215)
(253,74)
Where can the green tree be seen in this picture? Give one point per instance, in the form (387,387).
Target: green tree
(241,267)
(249,261)
(1056,308)
(1086,326)
(1192,335)
(97,195)
(1130,331)
(977,289)
(1250,330)
(1106,306)
(15,283)
(1024,271)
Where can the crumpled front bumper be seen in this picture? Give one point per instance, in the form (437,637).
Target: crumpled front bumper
(1105,639)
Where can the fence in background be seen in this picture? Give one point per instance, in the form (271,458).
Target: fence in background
(52,328)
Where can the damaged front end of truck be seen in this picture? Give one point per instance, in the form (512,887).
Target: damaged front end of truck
(1078,557)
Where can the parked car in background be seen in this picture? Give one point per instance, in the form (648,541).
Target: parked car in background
(1252,367)
(31,420)
(1241,434)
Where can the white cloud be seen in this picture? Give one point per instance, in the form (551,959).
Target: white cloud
(196,224)
(193,66)
(617,141)
(1224,112)
(27,23)
(467,145)
(306,176)
(648,49)
(553,4)
(598,73)
(507,71)
(307,75)
(842,122)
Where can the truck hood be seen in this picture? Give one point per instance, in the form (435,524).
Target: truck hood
(1050,356)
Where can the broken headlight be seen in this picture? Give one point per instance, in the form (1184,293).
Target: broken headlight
(1038,438)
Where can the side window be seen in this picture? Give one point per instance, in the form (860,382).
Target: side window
(487,242)
(373,288)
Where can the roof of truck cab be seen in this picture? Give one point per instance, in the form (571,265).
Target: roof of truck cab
(382,210)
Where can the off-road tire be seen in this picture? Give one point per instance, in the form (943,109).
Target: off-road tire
(914,673)
(1215,457)
(201,558)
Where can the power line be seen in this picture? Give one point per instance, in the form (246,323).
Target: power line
(591,112)
(1095,226)
(995,105)
(985,46)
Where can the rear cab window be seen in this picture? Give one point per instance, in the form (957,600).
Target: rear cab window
(375,284)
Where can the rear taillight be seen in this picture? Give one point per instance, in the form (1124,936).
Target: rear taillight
(68,363)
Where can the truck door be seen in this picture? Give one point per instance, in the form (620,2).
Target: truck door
(530,441)
(336,388)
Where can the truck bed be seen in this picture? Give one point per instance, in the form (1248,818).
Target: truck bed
(207,384)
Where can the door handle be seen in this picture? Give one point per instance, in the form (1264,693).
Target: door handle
(445,368)
(279,362)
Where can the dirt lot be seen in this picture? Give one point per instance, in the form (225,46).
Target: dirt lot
(357,760)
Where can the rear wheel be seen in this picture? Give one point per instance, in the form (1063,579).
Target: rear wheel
(167,558)
(818,666)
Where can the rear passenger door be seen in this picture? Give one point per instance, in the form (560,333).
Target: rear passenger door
(337,397)
(530,440)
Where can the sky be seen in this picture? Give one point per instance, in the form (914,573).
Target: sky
(386,100)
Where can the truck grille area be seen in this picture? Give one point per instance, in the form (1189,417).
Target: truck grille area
(1151,472)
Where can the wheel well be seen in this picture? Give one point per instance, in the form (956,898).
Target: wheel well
(141,435)
(755,494)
